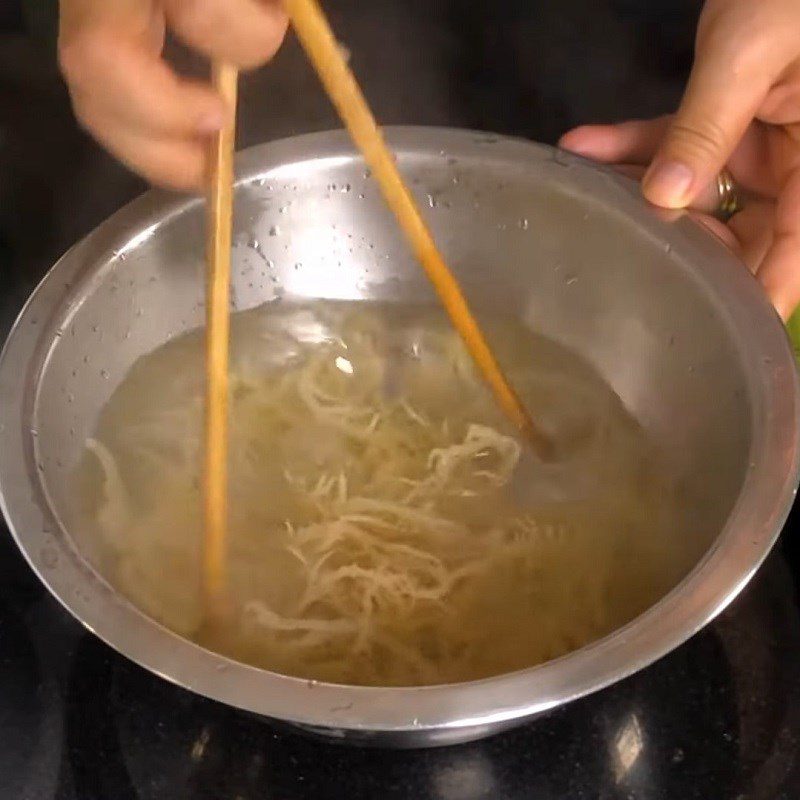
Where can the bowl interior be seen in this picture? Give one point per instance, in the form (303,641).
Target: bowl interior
(533,240)
(671,320)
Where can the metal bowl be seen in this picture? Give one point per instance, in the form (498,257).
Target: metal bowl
(673,322)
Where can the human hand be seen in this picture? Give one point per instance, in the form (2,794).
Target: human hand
(741,109)
(128,97)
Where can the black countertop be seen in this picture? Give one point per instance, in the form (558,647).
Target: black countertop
(719,719)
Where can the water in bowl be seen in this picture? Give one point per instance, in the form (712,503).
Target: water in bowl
(380,532)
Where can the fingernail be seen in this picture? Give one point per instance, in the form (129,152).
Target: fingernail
(668,183)
(578,148)
(572,143)
(210,123)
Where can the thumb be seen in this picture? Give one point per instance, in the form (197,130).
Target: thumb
(722,98)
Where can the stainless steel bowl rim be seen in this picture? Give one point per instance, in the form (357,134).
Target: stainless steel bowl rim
(747,538)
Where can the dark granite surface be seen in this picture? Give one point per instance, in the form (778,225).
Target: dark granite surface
(719,719)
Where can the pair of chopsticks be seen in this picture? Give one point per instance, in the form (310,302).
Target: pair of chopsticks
(325,54)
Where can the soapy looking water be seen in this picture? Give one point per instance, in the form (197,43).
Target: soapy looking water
(381,529)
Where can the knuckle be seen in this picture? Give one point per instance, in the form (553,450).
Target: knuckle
(277,35)
(77,55)
(82,112)
(86,119)
(278,24)
(248,58)
(700,140)
(196,22)
(191,18)
(84,56)
(258,47)
(211,28)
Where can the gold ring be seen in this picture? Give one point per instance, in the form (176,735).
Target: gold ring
(729,199)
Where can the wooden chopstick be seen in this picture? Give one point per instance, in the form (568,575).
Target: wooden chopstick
(324,52)
(218,266)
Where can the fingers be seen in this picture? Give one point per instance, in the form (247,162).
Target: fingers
(718,229)
(142,113)
(780,270)
(172,163)
(630,146)
(632,142)
(748,234)
(129,99)
(752,228)
(782,104)
(112,77)
(735,66)
(245,33)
